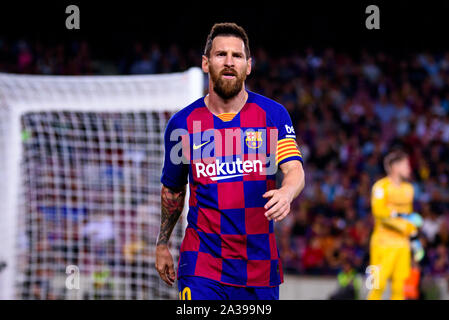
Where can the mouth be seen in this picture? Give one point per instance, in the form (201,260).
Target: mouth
(228,75)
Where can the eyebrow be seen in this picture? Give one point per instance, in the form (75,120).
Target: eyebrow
(233,52)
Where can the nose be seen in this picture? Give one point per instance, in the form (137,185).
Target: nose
(229,62)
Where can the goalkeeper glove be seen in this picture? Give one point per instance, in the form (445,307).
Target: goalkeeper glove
(414,218)
(417,250)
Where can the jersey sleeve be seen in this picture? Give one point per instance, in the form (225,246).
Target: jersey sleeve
(174,171)
(379,205)
(287,147)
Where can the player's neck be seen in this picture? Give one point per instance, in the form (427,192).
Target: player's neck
(396,179)
(217,104)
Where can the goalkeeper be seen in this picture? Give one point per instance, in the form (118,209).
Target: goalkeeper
(395,235)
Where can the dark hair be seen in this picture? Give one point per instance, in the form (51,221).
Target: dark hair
(392,157)
(227,29)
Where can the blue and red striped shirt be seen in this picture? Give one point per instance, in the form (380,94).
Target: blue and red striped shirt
(230,161)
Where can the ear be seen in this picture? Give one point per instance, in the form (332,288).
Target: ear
(249,63)
(205,64)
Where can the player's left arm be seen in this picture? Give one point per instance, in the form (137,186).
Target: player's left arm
(292,185)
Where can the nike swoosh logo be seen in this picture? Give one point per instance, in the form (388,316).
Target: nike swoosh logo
(200,145)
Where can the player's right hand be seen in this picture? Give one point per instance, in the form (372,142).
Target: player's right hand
(164,264)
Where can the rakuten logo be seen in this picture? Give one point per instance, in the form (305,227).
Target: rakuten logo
(225,170)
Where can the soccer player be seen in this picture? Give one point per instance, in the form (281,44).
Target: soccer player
(395,227)
(231,143)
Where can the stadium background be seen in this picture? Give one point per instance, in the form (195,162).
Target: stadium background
(352,95)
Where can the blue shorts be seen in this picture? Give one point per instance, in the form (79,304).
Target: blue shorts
(199,288)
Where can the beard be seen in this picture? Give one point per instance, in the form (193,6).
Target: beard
(227,88)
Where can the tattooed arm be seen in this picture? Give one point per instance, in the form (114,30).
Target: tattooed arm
(172,203)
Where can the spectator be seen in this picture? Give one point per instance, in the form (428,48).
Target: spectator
(313,257)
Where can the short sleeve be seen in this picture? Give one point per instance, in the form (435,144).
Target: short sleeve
(174,171)
(287,147)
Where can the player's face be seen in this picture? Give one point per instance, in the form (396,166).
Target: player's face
(403,169)
(227,66)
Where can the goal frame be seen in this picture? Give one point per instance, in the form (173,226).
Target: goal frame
(21,94)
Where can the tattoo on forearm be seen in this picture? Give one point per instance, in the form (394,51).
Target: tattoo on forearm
(172,203)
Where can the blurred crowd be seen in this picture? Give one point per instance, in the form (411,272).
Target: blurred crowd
(78,58)
(348,110)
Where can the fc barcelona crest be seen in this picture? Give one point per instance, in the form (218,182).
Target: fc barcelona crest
(253,139)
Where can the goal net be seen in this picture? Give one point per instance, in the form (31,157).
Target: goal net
(80,163)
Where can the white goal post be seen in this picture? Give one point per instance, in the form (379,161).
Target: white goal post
(80,163)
